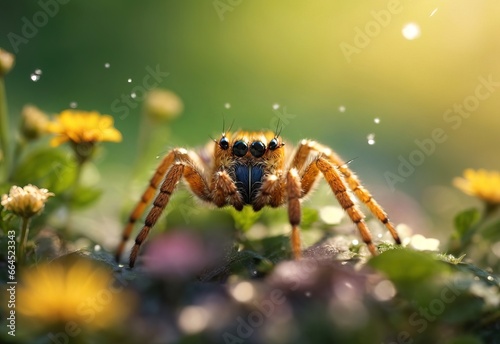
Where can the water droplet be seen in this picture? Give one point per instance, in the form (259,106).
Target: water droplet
(376,120)
(308,294)
(129,80)
(121,265)
(34,77)
(276,106)
(355,242)
(133,95)
(411,31)
(433,12)
(97,248)
(371,139)
(227,105)
(490,278)
(107,65)
(73,105)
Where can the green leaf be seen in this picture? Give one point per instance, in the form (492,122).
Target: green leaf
(407,266)
(84,196)
(492,232)
(309,216)
(245,218)
(49,168)
(465,220)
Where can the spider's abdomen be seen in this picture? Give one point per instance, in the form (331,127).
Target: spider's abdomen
(248,179)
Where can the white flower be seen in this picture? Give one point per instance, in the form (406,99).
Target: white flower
(25,201)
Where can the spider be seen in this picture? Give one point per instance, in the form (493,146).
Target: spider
(254,168)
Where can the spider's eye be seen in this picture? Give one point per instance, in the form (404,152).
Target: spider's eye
(273,144)
(224,143)
(240,148)
(257,149)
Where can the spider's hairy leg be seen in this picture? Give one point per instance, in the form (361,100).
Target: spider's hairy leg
(270,193)
(294,191)
(225,191)
(338,186)
(159,204)
(146,197)
(364,195)
(303,152)
(169,165)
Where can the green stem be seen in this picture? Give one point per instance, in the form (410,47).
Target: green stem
(70,197)
(23,239)
(4,128)
(18,150)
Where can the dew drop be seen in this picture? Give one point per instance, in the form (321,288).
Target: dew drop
(376,120)
(276,106)
(107,65)
(121,265)
(227,105)
(97,248)
(34,77)
(490,278)
(133,95)
(73,105)
(355,242)
(371,139)
(411,31)
(129,80)
(433,12)
(341,108)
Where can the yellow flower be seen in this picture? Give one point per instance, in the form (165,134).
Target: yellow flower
(26,201)
(481,183)
(83,127)
(80,291)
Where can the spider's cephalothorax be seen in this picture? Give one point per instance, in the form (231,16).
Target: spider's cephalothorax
(251,168)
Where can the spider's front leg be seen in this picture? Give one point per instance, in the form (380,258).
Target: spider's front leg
(176,164)
(338,186)
(347,177)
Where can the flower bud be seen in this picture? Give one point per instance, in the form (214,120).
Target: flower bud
(162,105)
(33,122)
(6,62)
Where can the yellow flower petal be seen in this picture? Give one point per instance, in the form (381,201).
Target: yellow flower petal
(83,127)
(482,184)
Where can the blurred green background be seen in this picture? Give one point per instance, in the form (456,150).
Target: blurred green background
(258,54)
